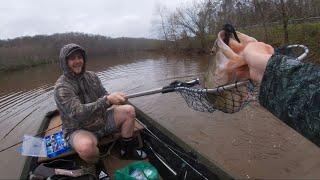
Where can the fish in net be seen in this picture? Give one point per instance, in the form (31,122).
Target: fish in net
(229,99)
(224,90)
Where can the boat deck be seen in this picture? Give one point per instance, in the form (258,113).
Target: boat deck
(249,144)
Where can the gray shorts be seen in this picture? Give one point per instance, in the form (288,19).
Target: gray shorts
(108,128)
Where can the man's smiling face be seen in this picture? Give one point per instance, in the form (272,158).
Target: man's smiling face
(75,62)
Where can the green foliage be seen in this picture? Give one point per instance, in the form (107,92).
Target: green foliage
(195,25)
(307,34)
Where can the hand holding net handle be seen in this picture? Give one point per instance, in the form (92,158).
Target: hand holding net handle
(166,89)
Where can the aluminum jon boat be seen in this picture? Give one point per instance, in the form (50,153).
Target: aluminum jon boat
(171,160)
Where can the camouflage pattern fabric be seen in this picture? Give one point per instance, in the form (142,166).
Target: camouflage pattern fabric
(291,91)
(80,98)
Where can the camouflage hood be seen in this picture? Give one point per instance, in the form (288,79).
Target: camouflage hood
(66,51)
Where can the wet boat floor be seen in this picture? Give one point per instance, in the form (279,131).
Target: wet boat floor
(113,161)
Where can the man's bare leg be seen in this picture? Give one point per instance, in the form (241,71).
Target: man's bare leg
(124,116)
(85,144)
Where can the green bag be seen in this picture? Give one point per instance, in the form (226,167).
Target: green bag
(137,170)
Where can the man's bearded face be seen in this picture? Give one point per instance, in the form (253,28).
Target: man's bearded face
(75,62)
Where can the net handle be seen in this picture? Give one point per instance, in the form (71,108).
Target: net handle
(216,90)
(170,88)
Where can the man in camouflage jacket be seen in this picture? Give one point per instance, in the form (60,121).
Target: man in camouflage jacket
(85,108)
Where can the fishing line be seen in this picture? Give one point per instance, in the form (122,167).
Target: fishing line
(18,123)
(173,150)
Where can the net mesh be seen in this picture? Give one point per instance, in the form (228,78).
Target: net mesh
(226,99)
(231,98)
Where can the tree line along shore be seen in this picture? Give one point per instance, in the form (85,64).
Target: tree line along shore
(277,22)
(191,28)
(24,52)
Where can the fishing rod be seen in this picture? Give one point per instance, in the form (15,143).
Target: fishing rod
(172,149)
(18,124)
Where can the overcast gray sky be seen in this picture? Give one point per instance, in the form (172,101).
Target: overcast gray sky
(114,18)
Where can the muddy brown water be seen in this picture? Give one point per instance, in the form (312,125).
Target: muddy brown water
(248,144)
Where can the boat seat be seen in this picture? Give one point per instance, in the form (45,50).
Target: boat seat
(56,120)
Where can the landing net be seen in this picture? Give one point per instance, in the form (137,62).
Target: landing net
(233,97)
(229,99)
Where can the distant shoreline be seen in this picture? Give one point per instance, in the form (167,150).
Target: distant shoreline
(31,64)
(26,52)
(23,66)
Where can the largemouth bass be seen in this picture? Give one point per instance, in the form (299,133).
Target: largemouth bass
(222,71)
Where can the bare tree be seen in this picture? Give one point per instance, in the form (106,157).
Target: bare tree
(281,6)
(196,20)
(162,11)
(260,9)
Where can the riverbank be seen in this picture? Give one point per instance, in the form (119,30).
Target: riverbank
(25,52)
(24,64)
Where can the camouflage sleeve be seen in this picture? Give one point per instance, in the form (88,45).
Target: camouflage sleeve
(291,91)
(68,102)
(102,91)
